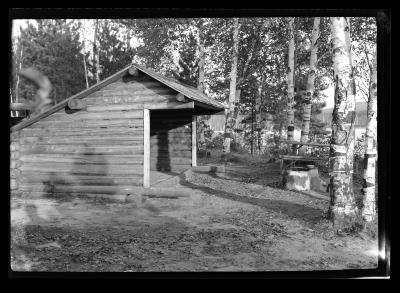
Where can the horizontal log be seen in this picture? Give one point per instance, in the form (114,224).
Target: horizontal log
(14,155)
(112,197)
(14,146)
(103,132)
(15,173)
(77,104)
(116,140)
(83,115)
(133,88)
(81,149)
(139,105)
(180,97)
(88,123)
(52,174)
(15,164)
(13,184)
(126,96)
(81,180)
(85,159)
(133,84)
(14,136)
(115,189)
(82,169)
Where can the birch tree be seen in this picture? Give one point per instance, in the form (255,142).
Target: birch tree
(200,84)
(369,210)
(343,210)
(96,52)
(232,88)
(290,81)
(305,129)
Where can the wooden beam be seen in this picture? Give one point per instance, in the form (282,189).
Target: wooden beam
(194,142)
(172,106)
(19,107)
(76,104)
(146,148)
(133,71)
(180,97)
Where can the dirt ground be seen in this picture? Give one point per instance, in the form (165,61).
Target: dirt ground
(237,221)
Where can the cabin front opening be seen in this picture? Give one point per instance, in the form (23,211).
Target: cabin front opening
(170,144)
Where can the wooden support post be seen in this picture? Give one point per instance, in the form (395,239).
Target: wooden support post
(146,148)
(194,142)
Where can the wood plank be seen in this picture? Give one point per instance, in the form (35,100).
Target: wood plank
(83,115)
(305,143)
(115,189)
(77,104)
(115,140)
(85,159)
(93,180)
(52,175)
(82,169)
(141,105)
(146,148)
(134,123)
(129,99)
(80,149)
(104,132)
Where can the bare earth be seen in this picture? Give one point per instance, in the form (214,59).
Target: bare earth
(238,221)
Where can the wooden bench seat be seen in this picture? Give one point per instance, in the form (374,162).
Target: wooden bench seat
(292,159)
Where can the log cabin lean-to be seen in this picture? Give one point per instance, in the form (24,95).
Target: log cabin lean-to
(120,134)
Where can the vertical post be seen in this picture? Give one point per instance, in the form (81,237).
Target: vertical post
(146,148)
(194,142)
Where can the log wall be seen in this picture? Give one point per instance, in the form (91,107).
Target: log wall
(98,149)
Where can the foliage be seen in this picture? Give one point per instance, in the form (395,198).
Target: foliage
(53,47)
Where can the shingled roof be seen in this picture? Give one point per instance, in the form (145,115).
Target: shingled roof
(188,91)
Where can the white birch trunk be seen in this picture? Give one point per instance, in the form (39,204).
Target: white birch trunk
(305,129)
(84,67)
(290,98)
(200,84)
(96,53)
(343,210)
(232,89)
(369,209)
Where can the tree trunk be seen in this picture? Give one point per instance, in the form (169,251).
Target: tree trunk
(96,53)
(232,89)
(305,129)
(290,77)
(343,210)
(200,84)
(259,117)
(369,210)
(84,66)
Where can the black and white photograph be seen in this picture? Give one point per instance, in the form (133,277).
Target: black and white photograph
(232,143)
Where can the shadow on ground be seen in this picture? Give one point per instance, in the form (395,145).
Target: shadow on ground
(293,210)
